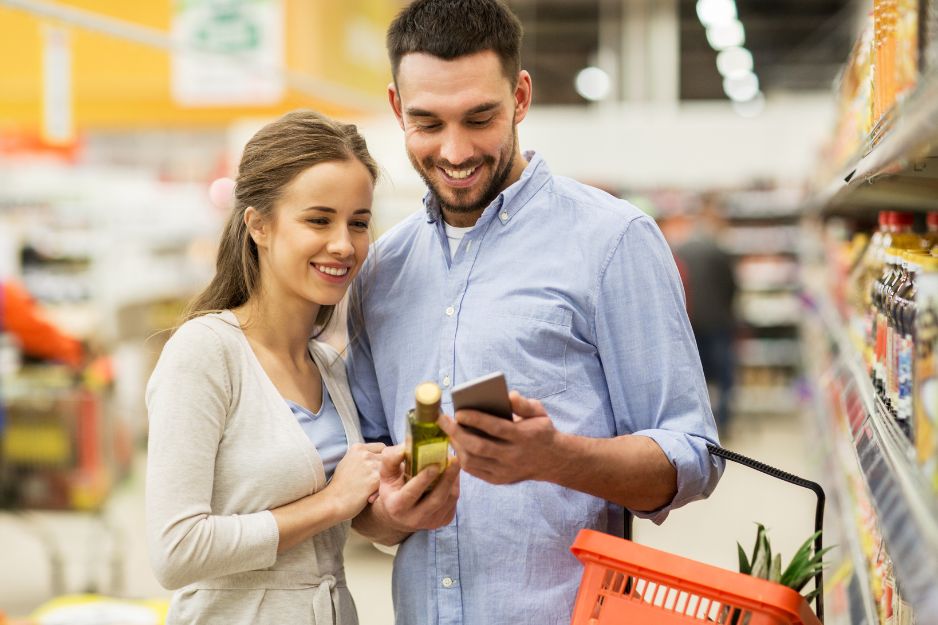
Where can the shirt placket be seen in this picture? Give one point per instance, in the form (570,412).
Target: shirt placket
(446,548)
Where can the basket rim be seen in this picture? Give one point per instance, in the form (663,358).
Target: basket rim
(689,575)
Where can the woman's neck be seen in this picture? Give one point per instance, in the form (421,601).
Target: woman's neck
(283,328)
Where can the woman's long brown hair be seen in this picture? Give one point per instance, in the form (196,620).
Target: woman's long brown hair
(272,158)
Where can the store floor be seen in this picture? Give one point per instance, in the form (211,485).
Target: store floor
(706,531)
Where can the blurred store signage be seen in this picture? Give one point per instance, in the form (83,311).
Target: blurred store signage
(58,125)
(228,52)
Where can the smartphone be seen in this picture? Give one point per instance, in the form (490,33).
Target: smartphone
(488,394)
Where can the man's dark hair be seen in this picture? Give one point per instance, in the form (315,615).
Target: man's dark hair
(449,29)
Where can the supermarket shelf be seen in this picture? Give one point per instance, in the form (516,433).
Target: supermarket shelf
(840,498)
(901,170)
(906,508)
(756,352)
(768,287)
(749,399)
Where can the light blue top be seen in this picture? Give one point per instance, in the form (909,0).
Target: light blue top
(325,430)
(575,296)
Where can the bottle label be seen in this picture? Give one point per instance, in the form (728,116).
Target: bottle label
(428,454)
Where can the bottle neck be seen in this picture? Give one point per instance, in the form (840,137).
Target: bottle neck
(426,413)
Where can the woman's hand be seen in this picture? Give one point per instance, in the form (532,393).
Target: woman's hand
(355,481)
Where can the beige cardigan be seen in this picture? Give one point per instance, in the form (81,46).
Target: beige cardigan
(224,449)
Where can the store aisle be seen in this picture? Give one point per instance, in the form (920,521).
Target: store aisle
(705,531)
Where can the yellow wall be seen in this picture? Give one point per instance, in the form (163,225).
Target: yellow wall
(120,84)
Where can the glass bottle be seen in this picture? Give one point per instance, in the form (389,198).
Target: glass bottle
(426,444)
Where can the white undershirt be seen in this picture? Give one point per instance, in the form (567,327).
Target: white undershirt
(454,235)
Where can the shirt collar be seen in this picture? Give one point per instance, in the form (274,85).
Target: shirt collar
(509,201)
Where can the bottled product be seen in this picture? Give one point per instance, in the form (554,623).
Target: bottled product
(426,444)
(925,378)
(904,320)
(861,280)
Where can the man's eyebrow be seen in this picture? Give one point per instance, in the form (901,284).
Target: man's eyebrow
(482,108)
(485,107)
(415,112)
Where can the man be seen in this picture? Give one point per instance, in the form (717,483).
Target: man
(711,284)
(570,292)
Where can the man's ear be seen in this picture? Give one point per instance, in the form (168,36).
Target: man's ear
(394,98)
(523,94)
(258,228)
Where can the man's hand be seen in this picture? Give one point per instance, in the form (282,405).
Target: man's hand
(523,450)
(404,507)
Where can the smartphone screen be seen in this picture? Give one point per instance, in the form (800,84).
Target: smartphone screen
(488,393)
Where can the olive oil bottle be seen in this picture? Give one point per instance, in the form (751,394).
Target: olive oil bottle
(426,443)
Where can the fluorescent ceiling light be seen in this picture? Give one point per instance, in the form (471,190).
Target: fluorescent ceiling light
(741,88)
(734,61)
(714,12)
(752,107)
(728,35)
(593,83)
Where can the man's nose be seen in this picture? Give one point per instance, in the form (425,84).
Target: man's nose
(456,148)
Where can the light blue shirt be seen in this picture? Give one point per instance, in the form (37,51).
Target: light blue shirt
(324,429)
(573,294)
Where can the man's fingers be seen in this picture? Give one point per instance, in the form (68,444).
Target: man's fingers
(413,490)
(375,448)
(391,459)
(493,426)
(443,490)
(524,407)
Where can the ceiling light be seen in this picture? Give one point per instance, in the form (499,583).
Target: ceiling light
(727,35)
(752,107)
(713,12)
(741,88)
(734,61)
(593,83)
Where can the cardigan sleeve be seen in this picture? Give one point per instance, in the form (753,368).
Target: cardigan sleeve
(189,397)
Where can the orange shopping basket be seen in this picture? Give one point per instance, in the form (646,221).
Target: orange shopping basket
(624,582)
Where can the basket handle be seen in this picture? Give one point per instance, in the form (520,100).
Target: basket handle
(816,488)
(797,481)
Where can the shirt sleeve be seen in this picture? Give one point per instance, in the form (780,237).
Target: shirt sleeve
(363,378)
(650,360)
(188,400)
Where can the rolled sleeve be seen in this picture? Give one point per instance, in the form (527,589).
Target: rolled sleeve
(650,360)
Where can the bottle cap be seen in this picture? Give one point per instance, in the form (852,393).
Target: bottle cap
(903,219)
(427,396)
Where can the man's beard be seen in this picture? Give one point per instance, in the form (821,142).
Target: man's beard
(490,192)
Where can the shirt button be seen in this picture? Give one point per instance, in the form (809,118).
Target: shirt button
(446,383)
(503,216)
(448,582)
(450,311)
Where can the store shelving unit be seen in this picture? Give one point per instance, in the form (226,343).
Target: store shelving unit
(762,235)
(906,507)
(895,169)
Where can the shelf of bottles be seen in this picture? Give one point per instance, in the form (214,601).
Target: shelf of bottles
(883,151)
(879,309)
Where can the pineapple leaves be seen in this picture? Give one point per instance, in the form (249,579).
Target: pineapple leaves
(744,566)
(805,564)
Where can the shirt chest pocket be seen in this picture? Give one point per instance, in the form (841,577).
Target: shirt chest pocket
(529,344)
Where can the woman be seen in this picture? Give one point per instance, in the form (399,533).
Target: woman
(249,416)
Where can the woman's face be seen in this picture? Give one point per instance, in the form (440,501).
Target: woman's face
(318,236)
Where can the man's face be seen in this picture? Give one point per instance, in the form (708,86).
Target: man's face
(459,120)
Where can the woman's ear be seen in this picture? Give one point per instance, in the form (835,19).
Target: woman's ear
(257,226)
